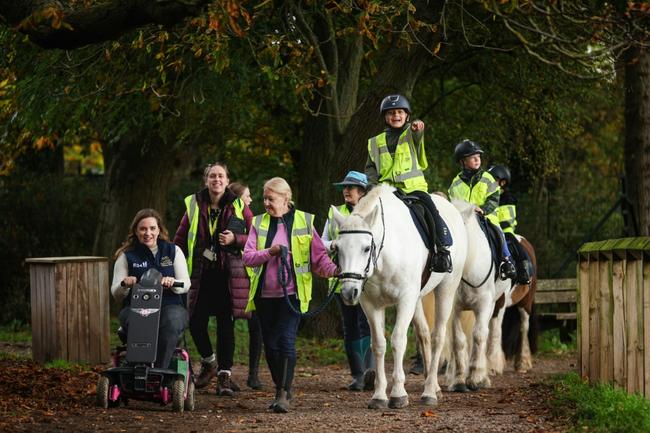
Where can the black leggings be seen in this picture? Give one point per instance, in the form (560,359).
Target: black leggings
(214,300)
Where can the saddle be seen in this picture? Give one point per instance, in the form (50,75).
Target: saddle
(425,225)
(494,240)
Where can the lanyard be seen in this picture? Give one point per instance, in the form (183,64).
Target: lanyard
(213,219)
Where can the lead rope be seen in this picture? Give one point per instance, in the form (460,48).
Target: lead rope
(284,276)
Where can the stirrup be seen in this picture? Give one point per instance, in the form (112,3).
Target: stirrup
(507,270)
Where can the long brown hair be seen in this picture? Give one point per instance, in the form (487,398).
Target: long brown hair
(238,188)
(132,237)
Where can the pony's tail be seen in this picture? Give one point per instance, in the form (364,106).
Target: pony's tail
(510,335)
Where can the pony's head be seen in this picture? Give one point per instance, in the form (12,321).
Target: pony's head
(355,246)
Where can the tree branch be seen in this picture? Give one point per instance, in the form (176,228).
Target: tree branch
(72,24)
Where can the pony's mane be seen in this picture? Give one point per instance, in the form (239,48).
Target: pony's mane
(370,200)
(466,209)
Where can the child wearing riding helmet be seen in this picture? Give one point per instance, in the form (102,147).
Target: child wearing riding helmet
(397,157)
(477,186)
(507,214)
(356,331)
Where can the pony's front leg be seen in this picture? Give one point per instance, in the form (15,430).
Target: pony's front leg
(404,314)
(444,303)
(495,357)
(376,317)
(459,354)
(523,359)
(478,377)
(423,335)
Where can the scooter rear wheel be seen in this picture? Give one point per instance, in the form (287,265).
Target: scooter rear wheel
(102,392)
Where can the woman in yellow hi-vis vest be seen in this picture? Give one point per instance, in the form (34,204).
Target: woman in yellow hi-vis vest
(356,332)
(204,236)
(397,157)
(283,226)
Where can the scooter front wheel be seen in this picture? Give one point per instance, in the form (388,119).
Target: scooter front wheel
(178,395)
(102,392)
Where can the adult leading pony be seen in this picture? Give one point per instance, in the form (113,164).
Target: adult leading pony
(478,291)
(382,258)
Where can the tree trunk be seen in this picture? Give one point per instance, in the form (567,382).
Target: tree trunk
(137,177)
(327,155)
(637,135)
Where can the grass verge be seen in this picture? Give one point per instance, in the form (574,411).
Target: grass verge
(599,408)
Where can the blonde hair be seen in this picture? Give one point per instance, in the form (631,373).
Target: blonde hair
(279,186)
(132,236)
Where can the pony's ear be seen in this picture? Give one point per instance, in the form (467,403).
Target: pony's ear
(372,216)
(338,216)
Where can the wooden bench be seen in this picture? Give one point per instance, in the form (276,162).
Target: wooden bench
(557,298)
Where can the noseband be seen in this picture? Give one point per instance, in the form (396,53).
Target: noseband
(374,252)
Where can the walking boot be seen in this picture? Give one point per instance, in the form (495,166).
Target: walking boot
(507,270)
(224,386)
(208,371)
(254,352)
(354,354)
(441,260)
(282,403)
(417,367)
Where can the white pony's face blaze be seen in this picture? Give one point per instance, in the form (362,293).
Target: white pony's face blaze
(354,247)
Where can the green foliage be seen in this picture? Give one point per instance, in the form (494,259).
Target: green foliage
(62,364)
(16,332)
(600,408)
(550,343)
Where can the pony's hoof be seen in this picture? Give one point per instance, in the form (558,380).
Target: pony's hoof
(429,401)
(376,403)
(473,386)
(458,387)
(398,402)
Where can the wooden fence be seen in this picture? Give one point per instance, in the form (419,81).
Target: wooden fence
(70,309)
(614,313)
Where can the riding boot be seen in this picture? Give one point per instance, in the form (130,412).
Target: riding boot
(254,352)
(523,277)
(272,361)
(370,367)
(288,364)
(507,269)
(441,260)
(355,354)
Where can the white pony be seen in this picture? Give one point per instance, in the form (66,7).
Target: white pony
(478,292)
(382,257)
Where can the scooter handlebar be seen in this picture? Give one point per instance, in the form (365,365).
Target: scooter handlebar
(176,284)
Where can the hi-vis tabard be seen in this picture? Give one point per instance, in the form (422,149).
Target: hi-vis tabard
(476,194)
(404,169)
(507,215)
(193,210)
(301,236)
(333,233)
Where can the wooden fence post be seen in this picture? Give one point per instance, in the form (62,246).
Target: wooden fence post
(70,309)
(614,313)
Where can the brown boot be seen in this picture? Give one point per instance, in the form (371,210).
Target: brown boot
(224,387)
(208,371)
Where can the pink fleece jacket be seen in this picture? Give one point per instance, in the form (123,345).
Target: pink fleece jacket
(321,264)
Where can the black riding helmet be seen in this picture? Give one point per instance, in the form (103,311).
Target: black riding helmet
(466,148)
(500,172)
(392,102)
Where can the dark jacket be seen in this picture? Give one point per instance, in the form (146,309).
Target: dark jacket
(228,260)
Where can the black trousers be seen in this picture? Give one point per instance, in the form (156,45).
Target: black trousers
(214,300)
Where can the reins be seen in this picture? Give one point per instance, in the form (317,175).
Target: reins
(284,275)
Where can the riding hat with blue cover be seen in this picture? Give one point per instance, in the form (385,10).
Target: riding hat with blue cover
(353,178)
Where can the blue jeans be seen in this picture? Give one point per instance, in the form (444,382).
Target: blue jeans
(279,325)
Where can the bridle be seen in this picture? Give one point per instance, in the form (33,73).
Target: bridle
(374,252)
